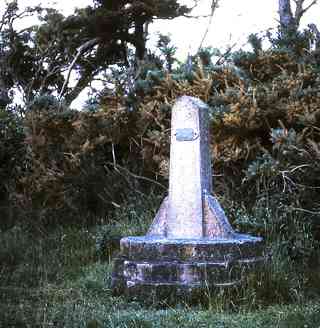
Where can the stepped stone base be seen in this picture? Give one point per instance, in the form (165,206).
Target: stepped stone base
(150,268)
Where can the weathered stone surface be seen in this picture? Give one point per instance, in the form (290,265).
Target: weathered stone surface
(190,246)
(184,265)
(150,248)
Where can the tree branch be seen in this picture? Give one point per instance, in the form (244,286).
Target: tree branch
(300,11)
(197,16)
(310,5)
(3,19)
(222,58)
(214,6)
(196,3)
(82,83)
(80,51)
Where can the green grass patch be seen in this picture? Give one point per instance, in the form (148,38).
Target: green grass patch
(61,278)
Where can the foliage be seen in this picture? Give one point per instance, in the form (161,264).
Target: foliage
(25,64)
(55,278)
(131,219)
(167,50)
(106,168)
(87,42)
(289,35)
(69,155)
(265,126)
(12,153)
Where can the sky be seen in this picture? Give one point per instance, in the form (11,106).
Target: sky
(233,21)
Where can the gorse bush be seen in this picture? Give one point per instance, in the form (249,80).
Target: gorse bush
(74,183)
(69,155)
(264,121)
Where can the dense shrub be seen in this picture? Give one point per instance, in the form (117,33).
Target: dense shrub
(12,153)
(265,123)
(264,120)
(78,165)
(69,175)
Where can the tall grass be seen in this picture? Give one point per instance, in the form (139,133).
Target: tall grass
(61,278)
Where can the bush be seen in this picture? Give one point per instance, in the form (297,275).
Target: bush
(264,121)
(12,154)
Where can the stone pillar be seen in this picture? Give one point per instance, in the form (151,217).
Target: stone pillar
(190,245)
(187,170)
(190,211)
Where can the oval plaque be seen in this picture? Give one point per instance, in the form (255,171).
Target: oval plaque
(186,134)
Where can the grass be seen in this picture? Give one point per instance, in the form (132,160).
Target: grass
(58,279)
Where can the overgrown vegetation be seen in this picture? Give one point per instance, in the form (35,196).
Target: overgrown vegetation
(73,183)
(62,278)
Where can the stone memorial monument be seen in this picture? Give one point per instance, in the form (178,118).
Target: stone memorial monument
(190,246)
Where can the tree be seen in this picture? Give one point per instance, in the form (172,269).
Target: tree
(115,25)
(289,36)
(41,59)
(12,50)
(289,20)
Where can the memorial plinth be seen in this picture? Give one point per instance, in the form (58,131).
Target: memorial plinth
(190,246)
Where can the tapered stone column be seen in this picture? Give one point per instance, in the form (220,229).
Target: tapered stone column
(190,245)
